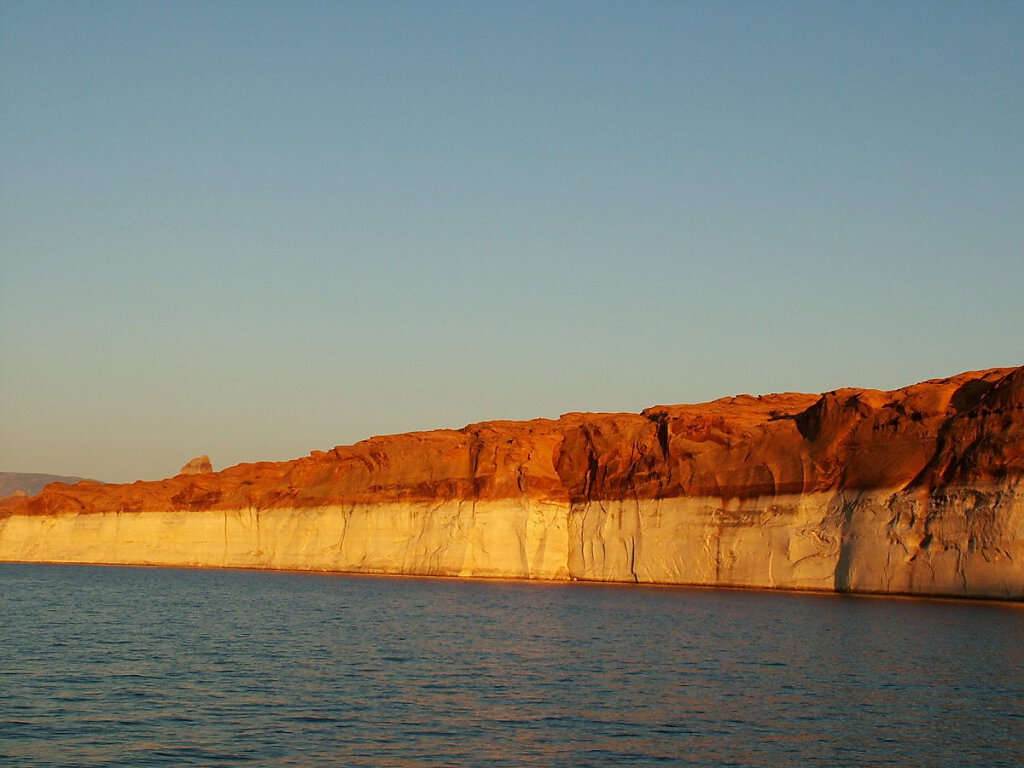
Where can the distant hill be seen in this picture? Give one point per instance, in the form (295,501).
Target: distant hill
(30,483)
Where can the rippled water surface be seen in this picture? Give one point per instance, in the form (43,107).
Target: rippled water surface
(146,667)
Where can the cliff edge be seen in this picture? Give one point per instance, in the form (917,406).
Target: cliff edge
(911,491)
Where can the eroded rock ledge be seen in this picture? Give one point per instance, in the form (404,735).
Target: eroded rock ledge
(913,491)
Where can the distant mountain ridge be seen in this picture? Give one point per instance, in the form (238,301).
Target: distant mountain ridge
(31,483)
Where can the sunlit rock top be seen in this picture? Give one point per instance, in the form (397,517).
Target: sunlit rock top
(965,430)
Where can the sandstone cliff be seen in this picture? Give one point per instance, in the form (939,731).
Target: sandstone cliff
(914,491)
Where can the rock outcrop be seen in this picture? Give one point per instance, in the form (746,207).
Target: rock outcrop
(913,491)
(200,465)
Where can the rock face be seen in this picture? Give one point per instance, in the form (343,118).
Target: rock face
(914,491)
(200,465)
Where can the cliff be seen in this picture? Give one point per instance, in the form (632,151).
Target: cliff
(913,491)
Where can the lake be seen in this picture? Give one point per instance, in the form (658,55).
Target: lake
(111,666)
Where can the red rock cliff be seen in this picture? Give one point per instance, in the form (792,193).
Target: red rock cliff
(964,430)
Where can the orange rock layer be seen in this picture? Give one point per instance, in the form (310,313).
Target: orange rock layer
(964,431)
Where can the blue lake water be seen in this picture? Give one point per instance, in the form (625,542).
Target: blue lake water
(106,666)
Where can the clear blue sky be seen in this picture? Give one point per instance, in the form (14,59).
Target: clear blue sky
(257,229)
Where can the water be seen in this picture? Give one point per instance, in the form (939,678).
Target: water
(162,667)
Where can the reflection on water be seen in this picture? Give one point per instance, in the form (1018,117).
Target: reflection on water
(146,667)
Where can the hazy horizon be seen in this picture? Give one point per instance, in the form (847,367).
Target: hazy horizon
(252,231)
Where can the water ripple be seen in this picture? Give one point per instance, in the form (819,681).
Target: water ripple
(161,667)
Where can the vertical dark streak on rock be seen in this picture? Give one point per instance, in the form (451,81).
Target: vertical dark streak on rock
(844,565)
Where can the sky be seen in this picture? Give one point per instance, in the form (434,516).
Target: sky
(256,229)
